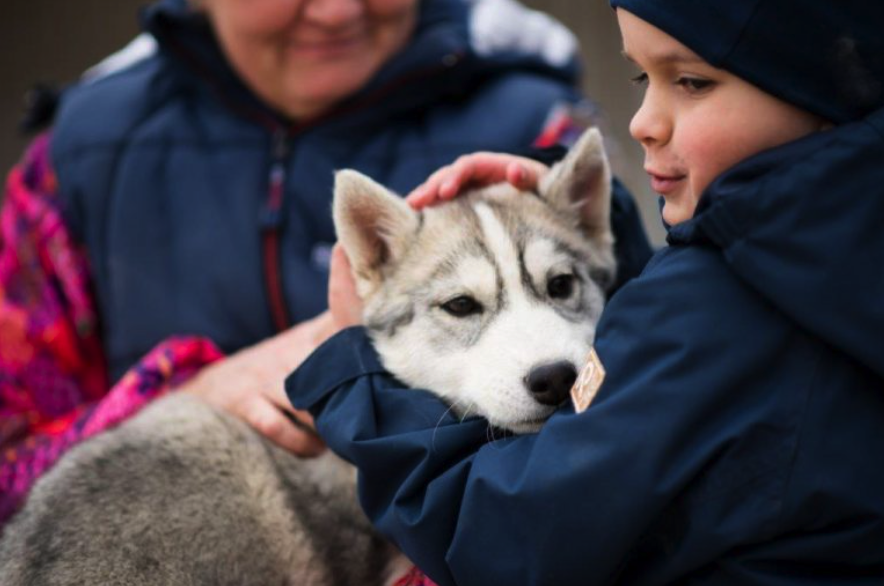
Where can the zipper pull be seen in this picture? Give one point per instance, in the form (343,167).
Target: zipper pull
(280,145)
(271,217)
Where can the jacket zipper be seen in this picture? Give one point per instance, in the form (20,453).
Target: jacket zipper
(271,215)
(271,223)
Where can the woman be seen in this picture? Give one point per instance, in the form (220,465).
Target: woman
(188,194)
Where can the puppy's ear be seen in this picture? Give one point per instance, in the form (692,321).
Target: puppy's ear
(372,224)
(581,184)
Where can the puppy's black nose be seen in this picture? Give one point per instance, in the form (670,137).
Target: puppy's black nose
(550,383)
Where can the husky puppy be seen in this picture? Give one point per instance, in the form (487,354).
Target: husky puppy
(490,301)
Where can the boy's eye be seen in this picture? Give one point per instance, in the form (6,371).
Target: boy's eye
(695,84)
(640,79)
(462,306)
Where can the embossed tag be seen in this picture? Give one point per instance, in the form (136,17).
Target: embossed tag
(588,383)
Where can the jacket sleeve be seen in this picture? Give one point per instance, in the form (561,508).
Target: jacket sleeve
(53,383)
(571,503)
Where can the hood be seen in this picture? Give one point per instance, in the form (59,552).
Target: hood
(803,224)
(456,43)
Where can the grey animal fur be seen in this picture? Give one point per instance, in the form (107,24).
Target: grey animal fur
(185,495)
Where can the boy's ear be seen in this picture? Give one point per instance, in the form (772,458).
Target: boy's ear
(581,183)
(372,224)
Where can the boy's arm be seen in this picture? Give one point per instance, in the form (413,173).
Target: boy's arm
(53,382)
(468,509)
(573,502)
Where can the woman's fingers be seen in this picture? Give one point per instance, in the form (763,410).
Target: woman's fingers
(250,386)
(343,300)
(280,427)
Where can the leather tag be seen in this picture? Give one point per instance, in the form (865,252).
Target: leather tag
(588,383)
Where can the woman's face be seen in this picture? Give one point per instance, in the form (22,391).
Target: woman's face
(303,56)
(696,121)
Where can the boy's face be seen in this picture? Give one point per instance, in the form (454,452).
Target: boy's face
(696,120)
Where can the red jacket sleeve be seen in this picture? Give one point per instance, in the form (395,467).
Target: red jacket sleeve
(54,390)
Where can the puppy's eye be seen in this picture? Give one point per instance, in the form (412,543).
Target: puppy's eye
(462,306)
(560,286)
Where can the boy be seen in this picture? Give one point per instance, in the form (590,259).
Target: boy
(735,438)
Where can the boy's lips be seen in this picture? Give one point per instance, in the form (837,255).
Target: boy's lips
(664,183)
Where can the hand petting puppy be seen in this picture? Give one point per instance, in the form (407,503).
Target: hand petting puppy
(477,170)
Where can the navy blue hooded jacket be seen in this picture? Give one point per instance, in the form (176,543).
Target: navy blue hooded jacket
(738,435)
(206,213)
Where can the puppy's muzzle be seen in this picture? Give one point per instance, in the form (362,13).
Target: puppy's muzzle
(550,384)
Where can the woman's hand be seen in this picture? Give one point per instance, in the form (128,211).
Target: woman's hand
(344,303)
(477,170)
(250,385)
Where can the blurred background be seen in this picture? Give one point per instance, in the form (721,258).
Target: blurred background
(50,41)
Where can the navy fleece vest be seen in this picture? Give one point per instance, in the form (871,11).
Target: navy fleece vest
(166,174)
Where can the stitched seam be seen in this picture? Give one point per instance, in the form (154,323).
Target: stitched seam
(739,37)
(758,192)
(798,440)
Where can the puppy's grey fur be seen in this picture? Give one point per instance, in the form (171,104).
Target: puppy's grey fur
(184,495)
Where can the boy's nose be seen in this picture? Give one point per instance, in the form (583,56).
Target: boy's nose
(650,126)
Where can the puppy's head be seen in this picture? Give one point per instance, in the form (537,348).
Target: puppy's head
(490,300)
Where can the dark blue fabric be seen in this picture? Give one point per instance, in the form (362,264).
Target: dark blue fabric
(820,260)
(737,438)
(164,169)
(826,56)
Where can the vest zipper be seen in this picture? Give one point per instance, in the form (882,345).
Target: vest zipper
(271,222)
(271,215)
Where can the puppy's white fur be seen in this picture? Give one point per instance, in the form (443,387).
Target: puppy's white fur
(500,248)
